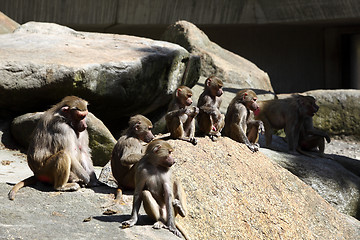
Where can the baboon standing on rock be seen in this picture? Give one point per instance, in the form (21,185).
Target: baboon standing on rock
(128,151)
(59,151)
(288,114)
(210,119)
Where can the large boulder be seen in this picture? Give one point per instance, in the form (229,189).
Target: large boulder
(119,75)
(7,25)
(234,70)
(339,112)
(233,193)
(101,141)
(336,177)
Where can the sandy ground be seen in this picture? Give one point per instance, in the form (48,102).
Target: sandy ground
(345,147)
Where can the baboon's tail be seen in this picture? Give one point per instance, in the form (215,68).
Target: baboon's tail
(26,182)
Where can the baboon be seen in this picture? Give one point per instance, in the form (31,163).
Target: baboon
(288,113)
(311,138)
(128,151)
(180,117)
(210,120)
(239,124)
(59,150)
(163,197)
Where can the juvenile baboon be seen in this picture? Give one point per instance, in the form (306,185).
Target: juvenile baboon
(180,117)
(210,120)
(288,113)
(312,139)
(239,124)
(163,197)
(128,150)
(59,150)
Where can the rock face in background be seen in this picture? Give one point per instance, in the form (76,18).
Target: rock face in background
(119,75)
(235,71)
(101,140)
(7,25)
(339,112)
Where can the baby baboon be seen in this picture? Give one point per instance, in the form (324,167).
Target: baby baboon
(180,117)
(239,124)
(210,119)
(311,138)
(128,151)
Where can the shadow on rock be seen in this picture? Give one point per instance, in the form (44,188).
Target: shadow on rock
(337,180)
(142,221)
(47,188)
(6,137)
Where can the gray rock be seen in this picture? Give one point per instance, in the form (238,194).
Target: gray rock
(235,71)
(43,62)
(38,212)
(337,180)
(101,140)
(107,177)
(233,193)
(7,25)
(23,126)
(339,112)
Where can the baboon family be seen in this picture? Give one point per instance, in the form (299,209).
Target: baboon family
(59,152)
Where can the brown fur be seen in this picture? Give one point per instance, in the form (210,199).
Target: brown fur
(239,124)
(128,151)
(59,151)
(180,117)
(210,120)
(288,113)
(312,139)
(163,198)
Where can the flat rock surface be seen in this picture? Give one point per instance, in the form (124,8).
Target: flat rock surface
(38,212)
(67,47)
